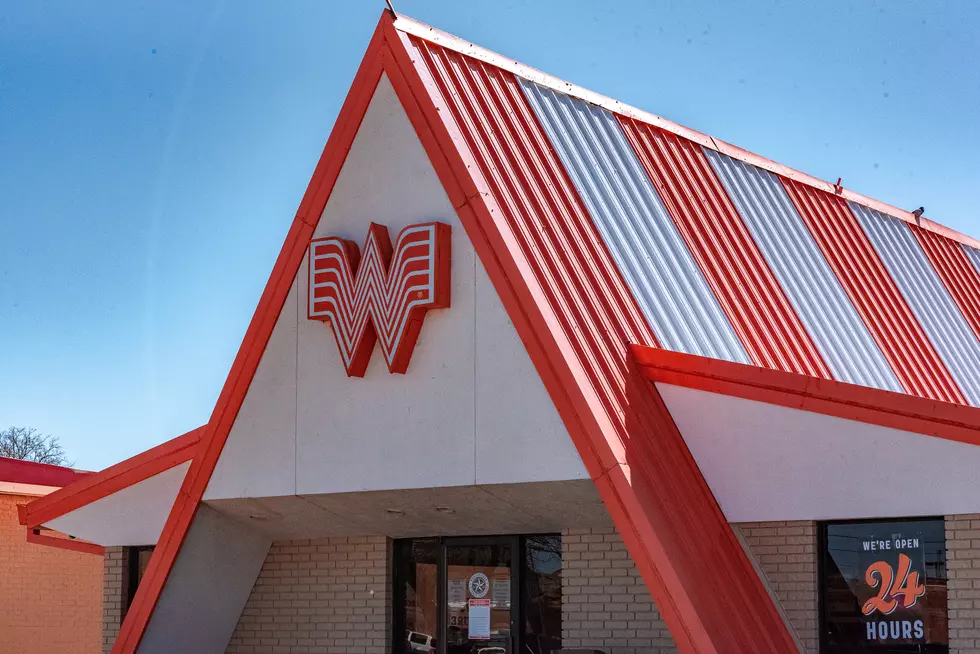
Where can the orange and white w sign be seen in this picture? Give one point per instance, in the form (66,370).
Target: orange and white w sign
(380,294)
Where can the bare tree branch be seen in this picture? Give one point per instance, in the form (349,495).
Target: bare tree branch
(29,444)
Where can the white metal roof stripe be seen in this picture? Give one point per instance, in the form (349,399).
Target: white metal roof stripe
(635,226)
(806,278)
(928,298)
(973,255)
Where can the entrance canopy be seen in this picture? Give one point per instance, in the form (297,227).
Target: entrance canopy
(558,291)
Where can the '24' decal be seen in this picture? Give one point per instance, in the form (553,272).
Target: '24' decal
(904,585)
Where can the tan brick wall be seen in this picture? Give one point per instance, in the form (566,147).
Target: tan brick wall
(329,596)
(50,598)
(606,605)
(787,553)
(963,572)
(115,583)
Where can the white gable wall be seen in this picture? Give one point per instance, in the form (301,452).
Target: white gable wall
(767,462)
(134,515)
(471,408)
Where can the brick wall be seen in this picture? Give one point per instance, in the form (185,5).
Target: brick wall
(963,572)
(328,595)
(316,595)
(50,598)
(787,553)
(115,584)
(606,605)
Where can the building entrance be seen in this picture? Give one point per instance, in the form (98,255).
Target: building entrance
(483,595)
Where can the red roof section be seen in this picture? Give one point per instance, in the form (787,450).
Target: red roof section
(874,293)
(16,471)
(759,311)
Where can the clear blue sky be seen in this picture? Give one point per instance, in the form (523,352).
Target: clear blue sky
(152,156)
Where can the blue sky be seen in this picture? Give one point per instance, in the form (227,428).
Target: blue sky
(152,156)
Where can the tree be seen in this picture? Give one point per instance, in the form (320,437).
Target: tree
(29,444)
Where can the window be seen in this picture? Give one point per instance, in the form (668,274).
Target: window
(416,569)
(541,594)
(883,587)
(137,558)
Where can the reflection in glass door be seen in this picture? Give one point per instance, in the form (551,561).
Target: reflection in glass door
(480,586)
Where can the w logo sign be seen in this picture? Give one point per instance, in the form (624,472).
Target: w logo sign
(380,294)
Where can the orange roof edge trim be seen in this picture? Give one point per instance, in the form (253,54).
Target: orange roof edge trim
(64,543)
(427,32)
(834,398)
(96,486)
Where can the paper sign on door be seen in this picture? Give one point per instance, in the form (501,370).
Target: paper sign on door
(457,592)
(479,619)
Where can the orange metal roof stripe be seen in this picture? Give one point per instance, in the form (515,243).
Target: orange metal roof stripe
(874,294)
(956,271)
(762,316)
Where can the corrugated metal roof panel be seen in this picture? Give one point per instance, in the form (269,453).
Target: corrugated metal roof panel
(873,293)
(973,255)
(929,299)
(546,217)
(641,236)
(837,329)
(721,244)
(571,288)
(951,261)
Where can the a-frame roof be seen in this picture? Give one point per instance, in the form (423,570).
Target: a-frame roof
(603,227)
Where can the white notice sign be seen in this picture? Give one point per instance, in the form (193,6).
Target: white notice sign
(479,619)
(457,592)
(500,593)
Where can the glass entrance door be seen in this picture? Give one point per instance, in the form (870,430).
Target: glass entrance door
(477,595)
(480,586)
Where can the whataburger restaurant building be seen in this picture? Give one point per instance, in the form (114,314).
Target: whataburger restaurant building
(538,370)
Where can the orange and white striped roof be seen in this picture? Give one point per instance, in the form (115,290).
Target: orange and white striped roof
(726,255)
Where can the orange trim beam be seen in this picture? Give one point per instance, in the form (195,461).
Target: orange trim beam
(90,488)
(954,422)
(36,537)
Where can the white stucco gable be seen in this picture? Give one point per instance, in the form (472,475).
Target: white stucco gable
(470,410)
